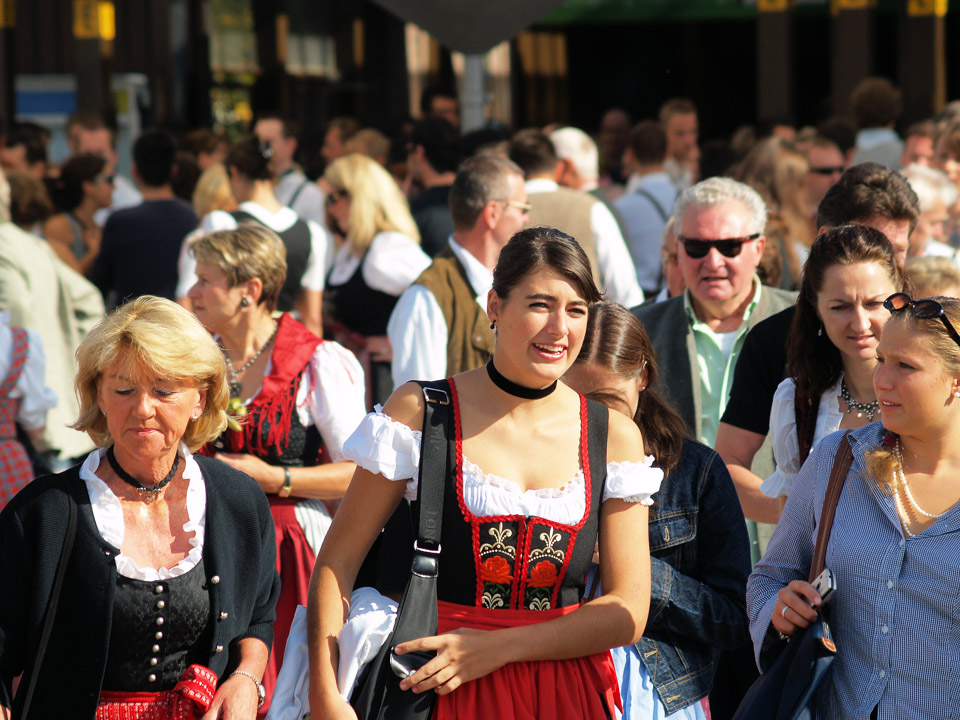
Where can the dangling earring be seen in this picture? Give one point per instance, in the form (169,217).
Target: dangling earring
(244,302)
(493,326)
(820,331)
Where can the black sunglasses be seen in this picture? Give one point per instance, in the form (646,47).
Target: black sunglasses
(926,309)
(829,170)
(332,197)
(728,247)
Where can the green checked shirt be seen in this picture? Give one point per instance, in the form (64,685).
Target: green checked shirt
(716,360)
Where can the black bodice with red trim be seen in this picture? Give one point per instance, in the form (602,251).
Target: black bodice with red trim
(520,562)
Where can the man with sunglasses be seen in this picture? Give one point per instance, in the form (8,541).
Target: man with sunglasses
(867,194)
(826,165)
(698,335)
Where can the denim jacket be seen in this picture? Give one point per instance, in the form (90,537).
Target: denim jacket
(700,561)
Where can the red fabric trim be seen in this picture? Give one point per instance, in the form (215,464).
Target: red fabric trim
(189,699)
(584,462)
(574,689)
(293,347)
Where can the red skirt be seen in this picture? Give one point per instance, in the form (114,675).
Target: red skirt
(574,689)
(187,701)
(295,561)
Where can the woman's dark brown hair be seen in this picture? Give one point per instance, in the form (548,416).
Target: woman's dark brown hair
(616,341)
(66,191)
(534,248)
(812,359)
(251,158)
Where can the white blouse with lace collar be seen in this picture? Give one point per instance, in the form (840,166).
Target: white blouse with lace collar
(108,514)
(389,448)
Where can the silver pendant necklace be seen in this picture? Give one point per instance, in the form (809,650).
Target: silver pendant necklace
(234,383)
(869,408)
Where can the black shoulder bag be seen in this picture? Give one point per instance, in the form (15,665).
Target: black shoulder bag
(786,689)
(378,695)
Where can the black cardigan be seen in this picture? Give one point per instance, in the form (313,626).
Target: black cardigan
(239,554)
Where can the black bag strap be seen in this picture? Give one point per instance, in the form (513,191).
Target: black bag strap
(656,204)
(51,613)
(841,466)
(417,613)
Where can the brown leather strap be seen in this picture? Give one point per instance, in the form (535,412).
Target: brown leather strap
(841,466)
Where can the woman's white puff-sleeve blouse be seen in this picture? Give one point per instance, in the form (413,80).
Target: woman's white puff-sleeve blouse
(383,446)
(783,433)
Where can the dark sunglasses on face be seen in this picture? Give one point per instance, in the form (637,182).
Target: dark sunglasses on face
(829,170)
(336,195)
(926,309)
(728,247)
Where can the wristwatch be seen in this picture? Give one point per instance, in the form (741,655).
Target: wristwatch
(261,693)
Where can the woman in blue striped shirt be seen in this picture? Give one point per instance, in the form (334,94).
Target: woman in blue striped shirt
(895,542)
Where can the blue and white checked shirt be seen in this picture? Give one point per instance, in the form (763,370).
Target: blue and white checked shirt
(895,616)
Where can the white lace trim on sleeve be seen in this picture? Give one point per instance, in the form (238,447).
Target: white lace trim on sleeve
(633,482)
(386,447)
(779,483)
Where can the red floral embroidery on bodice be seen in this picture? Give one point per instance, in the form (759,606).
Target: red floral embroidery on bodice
(520,561)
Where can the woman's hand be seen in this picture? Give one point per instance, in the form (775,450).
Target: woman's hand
(462,655)
(236,699)
(268,477)
(793,609)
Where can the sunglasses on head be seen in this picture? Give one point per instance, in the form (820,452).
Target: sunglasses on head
(926,309)
(728,247)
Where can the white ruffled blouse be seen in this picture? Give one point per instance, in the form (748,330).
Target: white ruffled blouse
(783,433)
(389,448)
(108,514)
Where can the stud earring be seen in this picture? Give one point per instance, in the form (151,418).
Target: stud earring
(956,393)
(244,302)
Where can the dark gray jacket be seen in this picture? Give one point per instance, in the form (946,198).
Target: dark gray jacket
(239,555)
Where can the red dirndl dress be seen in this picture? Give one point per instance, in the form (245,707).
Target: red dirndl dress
(272,432)
(15,468)
(523,570)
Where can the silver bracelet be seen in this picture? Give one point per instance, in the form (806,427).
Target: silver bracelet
(261,693)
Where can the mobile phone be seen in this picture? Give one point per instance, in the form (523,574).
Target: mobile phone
(825,584)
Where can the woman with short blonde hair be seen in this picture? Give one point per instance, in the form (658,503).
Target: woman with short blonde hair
(171,578)
(379,257)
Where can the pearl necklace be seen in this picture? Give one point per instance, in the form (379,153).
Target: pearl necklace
(234,382)
(869,408)
(903,483)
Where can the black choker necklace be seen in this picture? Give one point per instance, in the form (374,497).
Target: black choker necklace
(511,388)
(152,491)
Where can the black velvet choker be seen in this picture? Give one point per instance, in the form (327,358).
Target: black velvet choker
(152,490)
(511,388)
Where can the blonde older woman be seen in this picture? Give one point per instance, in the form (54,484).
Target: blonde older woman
(171,579)
(378,259)
(302,397)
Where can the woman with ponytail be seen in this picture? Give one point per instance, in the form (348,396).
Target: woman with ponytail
(81,189)
(895,540)
(252,182)
(698,540)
